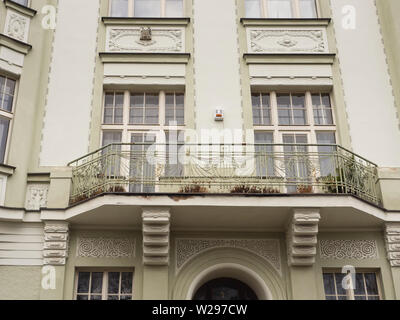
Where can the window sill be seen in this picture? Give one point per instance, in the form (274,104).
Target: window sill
(11,43)
(146,21)
(20,8)
(289,58)
(139,57)
(253,22)
(7,169)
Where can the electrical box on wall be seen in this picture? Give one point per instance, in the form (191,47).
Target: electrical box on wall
(219,114)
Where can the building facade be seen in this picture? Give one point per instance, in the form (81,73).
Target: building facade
(199,149)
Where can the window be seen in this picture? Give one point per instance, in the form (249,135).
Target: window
(261,109)
(7,95)
(264,154)
(365,288)
(326,153)
(291,109)
(113,108)
(174,109)
(281,9)
(146,8)
(22,2)
(102,285)
(144,108)
(322,109)
(174,150)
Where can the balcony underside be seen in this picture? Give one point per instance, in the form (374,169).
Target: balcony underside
(221,212)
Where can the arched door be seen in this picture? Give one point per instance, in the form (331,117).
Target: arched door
(225,289)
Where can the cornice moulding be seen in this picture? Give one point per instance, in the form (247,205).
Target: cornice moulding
(131,57)
(14,44)
(289,58)
(322,22)
(20,8)
(145,21)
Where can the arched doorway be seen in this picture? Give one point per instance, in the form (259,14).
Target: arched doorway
(225,289)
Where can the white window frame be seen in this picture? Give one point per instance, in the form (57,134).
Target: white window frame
(126,128)
(350,295)
(163,9)
(9,115)
(105,272)
(295,9)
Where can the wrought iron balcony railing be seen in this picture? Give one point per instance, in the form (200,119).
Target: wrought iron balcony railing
(235,169)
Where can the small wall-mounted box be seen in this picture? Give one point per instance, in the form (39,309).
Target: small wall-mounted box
(219,114)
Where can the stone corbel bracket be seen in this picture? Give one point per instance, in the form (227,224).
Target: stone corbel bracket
(55,247)
(156,227)
(302,237)
(392,239)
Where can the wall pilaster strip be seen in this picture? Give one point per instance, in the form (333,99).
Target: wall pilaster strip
(392,238)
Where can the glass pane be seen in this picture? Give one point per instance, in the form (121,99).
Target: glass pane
(97,282)
(339,277)
(330,297)
(118,115)
(329,283)
(126,282)
(326,138)
(10,86)
(83,282)
(109,100)
(307,9)
(298,101)
(2,84)
(113,282)
(112,297)
(95,297)
(111,137)
(147,8)
(284,116)
(180,100)
(119,8)
(279,9)
(253,8)
(372,286)
(299,116)
(373,298)
(283,100)
(137,100)
(264,137)
(82,297)
(328,116)
(127,297)
(108,115)
(256,116)
(326,101)
(151,100)
(360,287)
(360,298)
(174,8)
(170,100)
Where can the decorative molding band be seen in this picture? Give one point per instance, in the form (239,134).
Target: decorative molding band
(258,22)
(145,21)
(140,57)
(276,40)
(105,247)
(55,246)
(348,249)
(289,58)
(268,249)
(302,237)
(160,39)
(14,44)
(36,196)
(156,227)
(392,239)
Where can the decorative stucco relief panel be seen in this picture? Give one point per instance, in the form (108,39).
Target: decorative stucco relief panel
(274,40)
(145,40)
(36,196)
(17,26)
(105,247)
(348,249)
(268,249)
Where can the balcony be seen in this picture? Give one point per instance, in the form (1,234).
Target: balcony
(262,169)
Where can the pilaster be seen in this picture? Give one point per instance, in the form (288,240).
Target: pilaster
(392,239)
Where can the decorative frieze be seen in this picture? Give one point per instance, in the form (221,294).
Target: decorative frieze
(156,227)
(277,40)
(302,237)
(145,39)
(105,247)
(348,249)
(36,196)
(17,26)
(55,246)
(268,249)
(392,239)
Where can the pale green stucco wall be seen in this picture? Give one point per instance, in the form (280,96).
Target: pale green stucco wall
(20,282)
